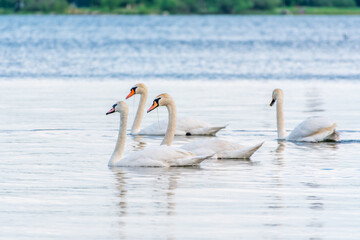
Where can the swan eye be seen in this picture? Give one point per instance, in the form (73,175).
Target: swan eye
(157,101)
(114,105)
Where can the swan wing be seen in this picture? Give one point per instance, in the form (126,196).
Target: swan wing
(193,126)
(245,152)
(161,156)
(313,129)
(156,129)
(223,148)
(206,131)
(186,123)
(184,126)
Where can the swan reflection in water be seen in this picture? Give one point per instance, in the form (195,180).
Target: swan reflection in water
(317,150)
(276,202)
(138,144)
(313,196)
(149,193)
(319,145)
(279,152)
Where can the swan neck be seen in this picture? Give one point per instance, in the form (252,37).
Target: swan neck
(280,119)
(139,113)
(170,131)
(120,143)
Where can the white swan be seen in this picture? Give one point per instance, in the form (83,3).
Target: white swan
(222,148)
(185,126)
(160,156)
(313,129)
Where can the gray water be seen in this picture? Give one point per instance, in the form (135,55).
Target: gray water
(59,75)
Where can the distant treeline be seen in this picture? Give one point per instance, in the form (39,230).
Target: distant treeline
(163,6)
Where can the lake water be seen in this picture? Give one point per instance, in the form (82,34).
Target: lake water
(60,75)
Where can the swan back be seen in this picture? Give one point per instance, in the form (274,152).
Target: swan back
(313,129)
(184,126)
(161,156)
(222,148)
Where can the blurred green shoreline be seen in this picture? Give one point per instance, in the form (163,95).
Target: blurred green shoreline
(142,11)
(182,7)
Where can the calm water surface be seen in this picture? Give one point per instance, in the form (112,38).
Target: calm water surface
(61,74)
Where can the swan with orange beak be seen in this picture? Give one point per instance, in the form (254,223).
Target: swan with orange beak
(185,126)
(221,149)
(157,156)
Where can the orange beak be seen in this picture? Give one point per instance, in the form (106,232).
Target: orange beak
(132,92)
(155,105)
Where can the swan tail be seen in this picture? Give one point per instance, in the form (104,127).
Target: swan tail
(193,161)
(244,153)
(200,159)
(328,134)
(210,131)
(333,137)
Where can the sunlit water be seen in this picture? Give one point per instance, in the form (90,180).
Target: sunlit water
(60,75)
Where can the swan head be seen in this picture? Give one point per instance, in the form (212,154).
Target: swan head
(120,107)
(161,100)
(139,88)
(276,94)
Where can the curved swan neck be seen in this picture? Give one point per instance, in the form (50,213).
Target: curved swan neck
(139,113)
(170,131)
(120,144)
(280,118)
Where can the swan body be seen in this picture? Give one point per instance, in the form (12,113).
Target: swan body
(209,147)
(313,129)
(160,156)
(221,148)
(185,126)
